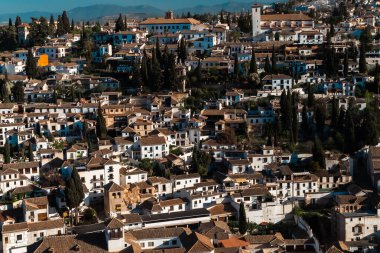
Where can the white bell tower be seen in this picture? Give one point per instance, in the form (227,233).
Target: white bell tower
(256,20)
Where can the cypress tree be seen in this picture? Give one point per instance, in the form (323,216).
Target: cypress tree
(18,92)
(243,224)
(31,65)
(198,73)
(7,153)
(182,54)
(319,154)
(294,119)
(320,118)
(362,60)
(349,133)
(158,51)
(65,22)
(334,113)
(144,70)
(274,64)
(30,152)
(51,26)
(310,97)
(101,128)
(345,64)
(156,74)
(341,118)
(370,134)
(253,64)
(236,68)
(267,66)
(72,25)
(284,110)
(60,28)
(119,25)
(18,21)
(305,123)
(74,192)
(10,24)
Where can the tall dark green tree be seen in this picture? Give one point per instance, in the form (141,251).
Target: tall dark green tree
(60,28)
(274,64)
(30,152)
(349,133)
(345,64)
(243,224)
(156,73)
(31,65)
(362,60)
(10,23)
(7,152)
(366,39)
(334,113)
(320,118)
(18,92)
(294,118)
(51,26)
(18,21)
(66,22)
(305,121)
(370,135)
(182,51)
(236,68)
(74,192)
(72,28)
(267,66)
(319,154)
(144,70)
(310,97)
(253,64)
(101,128)
(200,161)
(283,109)
(119,24)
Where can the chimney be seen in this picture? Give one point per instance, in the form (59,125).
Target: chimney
(169,15)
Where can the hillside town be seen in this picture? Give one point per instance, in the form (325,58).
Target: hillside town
(233,132)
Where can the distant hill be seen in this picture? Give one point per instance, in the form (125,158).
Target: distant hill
(231,6)
(99,11)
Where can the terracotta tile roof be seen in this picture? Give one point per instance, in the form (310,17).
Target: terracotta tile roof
(35,203)
(170,21)
(21,165)
(87,243)
(132,218)
(196,242)
(113,187)
(273,77)
(114,223)
(223,208)
(286,17)
(15,227)
(233,242)
(157,233)
(152,140)
(44,225)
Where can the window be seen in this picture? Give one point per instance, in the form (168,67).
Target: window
(19,237)
(6,239)
(150,244)
(142,245)
(166,243)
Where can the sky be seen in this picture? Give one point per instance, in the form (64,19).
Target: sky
(18,6)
